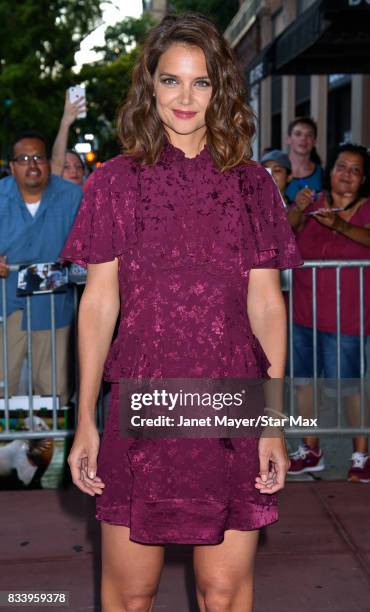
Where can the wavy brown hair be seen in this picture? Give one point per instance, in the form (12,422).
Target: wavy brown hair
(229,119)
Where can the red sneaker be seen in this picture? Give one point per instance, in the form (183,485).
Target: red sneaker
(360,468)
(306,459)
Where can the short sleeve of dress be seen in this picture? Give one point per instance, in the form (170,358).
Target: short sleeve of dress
(275,244)
(94,237)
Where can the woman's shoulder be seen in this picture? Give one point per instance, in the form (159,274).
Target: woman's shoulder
(259,182)
(114,172)
(257,174)
(254,168)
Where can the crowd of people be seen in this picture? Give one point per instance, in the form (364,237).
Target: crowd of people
(330,215)
(329,212)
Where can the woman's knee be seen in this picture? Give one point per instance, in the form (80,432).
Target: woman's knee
(137,603)
(218,600)
(119,601)
(224,596)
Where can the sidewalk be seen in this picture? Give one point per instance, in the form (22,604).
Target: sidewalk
(316,558)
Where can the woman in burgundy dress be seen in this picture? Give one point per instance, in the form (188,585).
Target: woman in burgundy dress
(183,237)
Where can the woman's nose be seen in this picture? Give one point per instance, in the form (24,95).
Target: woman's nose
(185,94)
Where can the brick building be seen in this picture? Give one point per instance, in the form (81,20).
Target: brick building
(306,57)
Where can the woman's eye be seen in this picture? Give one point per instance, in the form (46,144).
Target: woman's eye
(203,83)
(168,81)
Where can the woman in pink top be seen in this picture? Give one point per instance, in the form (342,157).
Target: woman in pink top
(334,226)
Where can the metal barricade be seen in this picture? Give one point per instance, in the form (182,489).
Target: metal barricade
(363,426)
(55,431)
(339,428)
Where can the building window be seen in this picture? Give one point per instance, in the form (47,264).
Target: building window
(278,23)
(254,102)
(276,131)
(339,116)
(276,93)
(303,5)
(302,95)
(276,102)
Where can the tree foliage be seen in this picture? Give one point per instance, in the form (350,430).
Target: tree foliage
(39,40)
(38,44)
(109,79)
(107,86)
(125,35)
(219,11)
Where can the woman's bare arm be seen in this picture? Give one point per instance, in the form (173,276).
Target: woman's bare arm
(58,155)
(296,218)
(267,315)
(98,312)
(354,232)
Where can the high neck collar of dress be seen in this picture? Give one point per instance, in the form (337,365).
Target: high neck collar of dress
(172,154)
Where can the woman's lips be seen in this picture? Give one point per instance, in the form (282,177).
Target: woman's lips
(183,114)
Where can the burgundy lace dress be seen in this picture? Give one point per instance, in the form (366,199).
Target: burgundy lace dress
(186,236)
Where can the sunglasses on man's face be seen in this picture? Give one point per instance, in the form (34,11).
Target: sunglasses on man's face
(24,160)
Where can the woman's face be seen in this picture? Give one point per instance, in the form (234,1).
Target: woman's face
(182,90)
(73,170)
(279,173)
(347,175)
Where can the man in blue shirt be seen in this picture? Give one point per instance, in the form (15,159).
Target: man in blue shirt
(37,210)
(307,173)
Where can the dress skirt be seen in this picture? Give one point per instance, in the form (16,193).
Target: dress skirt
(183,491)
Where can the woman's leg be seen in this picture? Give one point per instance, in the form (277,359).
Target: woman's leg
(224,573)
(130,571)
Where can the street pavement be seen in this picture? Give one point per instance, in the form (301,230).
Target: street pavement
(315,558)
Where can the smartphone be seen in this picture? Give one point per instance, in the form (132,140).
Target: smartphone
(75,92)
(317,212)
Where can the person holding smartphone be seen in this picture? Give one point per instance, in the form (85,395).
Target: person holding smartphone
(183,237)
(66,163)
(334,226)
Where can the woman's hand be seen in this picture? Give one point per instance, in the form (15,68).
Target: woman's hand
(82,459)
(274,463)
(4,270)
(304,198)
(330,219)
(72,110)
